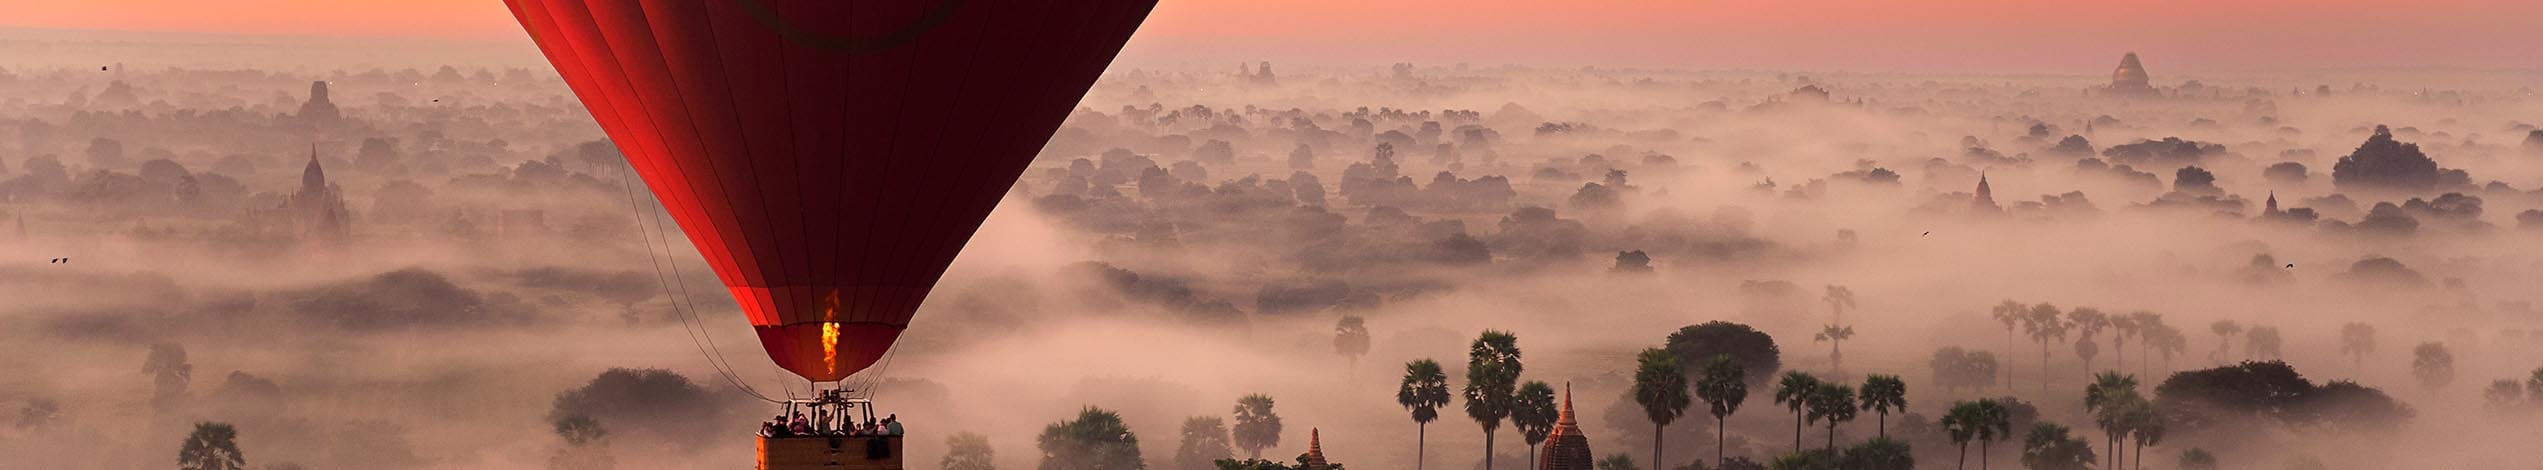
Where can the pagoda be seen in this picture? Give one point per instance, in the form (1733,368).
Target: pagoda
(1566,448)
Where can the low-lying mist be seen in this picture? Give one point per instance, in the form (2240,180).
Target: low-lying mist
(472,264)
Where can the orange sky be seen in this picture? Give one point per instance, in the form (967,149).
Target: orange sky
(1905,35)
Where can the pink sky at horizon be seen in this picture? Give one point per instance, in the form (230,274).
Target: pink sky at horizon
(2066,36)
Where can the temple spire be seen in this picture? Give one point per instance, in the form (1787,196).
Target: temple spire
(1986,199)
(1566,448)
(1314,460)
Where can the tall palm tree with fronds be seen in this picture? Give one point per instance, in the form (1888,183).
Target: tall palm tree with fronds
(2145,423)
(2121,326)
(2011,314)
(1833,404)
(1660,386)
(1961,425)
(2110,398)
(1257,426)
(1883,394)
(1492,378)
(2170,341)
(2043,323)
(212,446)
(1839,299)
(1723,386)
(2148,325)
(1835,335)
(1984,421)
(1425,389)
(2357,340)
(1532,410)
(2225,331)
(2089,322)
(1794,391)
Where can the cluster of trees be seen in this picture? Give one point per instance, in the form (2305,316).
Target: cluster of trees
(1098,439)
(2507,395)
(1492,393)
(2227,400)
(2046,325)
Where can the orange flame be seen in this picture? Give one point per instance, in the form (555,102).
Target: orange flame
(830,346)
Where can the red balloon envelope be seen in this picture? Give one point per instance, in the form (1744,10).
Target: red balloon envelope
(829,157)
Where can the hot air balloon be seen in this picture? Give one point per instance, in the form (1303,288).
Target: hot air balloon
(829,157)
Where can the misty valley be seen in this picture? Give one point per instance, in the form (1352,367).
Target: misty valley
(438,257)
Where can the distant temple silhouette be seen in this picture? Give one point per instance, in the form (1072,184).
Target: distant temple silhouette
(1314,460)
(2131,79)
(1567,448)
(1986,199)
(319,109)
(315,212)
(1261,76)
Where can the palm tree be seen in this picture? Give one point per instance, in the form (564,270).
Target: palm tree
(1994,422)
(2145,423)
(2169,341)
(2049,447)
(212,446)
(2109,399)
(1532,410)
(1794,393)
(1660,386)
(1982,420)
(1351,340)
(1492,376)
(2148,325)
(2225,331)
(1205,442)
(1834,404)
(1839,299)
(1425,389)
(2043,324)
(2261,343)
(2010,313)
(1835,336)
(2122,325)
(1723,386)
(1257,426)
(2357,340)
(1097,439)
(170,372)
(2088,322)
(1883,394)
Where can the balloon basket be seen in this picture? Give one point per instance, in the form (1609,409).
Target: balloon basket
(831,431)
(830,453)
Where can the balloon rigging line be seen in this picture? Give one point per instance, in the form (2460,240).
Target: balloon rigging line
(714,359)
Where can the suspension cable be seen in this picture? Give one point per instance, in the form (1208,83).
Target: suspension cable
(714,358)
